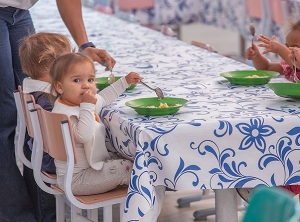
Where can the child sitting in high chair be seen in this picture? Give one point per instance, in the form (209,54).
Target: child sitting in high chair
(73,78)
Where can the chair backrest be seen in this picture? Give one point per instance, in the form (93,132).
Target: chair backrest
(121,6)
(254,8)
(272,204)
(52,134)
(259,9)
(24,122)
(277,11)
(135,4)
(27,98)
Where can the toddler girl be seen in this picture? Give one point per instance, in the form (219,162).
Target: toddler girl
(73,77)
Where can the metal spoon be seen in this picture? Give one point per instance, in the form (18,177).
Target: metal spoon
(252,31)
(157,90)
(111,78)
(296,80)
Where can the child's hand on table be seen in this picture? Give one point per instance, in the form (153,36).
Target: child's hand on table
(133,78)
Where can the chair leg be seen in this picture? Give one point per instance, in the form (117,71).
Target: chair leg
(122,207)
(92,214)
(60,209)
(107,214)
(76,214)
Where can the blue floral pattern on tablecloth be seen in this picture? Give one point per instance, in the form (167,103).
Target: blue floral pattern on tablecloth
(227,136)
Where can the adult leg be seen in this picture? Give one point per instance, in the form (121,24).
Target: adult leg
(43,203)
(15,205)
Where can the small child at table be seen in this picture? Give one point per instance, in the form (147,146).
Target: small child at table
(36,55)
(285,66)
(73,78)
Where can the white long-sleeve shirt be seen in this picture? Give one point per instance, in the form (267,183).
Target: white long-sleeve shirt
(89,135)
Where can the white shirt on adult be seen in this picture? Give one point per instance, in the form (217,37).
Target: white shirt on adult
(21,4)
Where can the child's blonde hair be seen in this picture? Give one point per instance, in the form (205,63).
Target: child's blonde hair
(63,64)
(38,51)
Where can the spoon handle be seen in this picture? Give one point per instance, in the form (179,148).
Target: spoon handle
(146,85)
(295,72)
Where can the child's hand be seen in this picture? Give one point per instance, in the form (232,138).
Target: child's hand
(133,78)
(252,52)
(88,97)
(270,45)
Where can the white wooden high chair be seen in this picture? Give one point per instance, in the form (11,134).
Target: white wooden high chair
(53,132)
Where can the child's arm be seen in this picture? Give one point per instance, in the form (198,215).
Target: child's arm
(260,62)
(83,127)
(271,45)
(112,92)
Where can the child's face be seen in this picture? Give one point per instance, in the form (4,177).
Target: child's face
(78,80)
(293,38)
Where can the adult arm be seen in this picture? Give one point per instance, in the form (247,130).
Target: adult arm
(71,13)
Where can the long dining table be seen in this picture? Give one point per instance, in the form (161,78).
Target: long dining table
(227,136)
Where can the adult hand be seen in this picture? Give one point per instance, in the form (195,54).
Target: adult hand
(100,56)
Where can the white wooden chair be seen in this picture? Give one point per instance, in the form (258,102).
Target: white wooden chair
(21,128)
(53,130)
(24,103)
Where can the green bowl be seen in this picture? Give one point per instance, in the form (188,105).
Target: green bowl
(286,89)
(102,83)
(241,77)
(140,105)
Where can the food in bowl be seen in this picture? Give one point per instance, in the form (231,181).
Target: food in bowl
(249,77)
(256,76)
(164,105)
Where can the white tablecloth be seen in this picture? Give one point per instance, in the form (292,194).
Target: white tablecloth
(227,136)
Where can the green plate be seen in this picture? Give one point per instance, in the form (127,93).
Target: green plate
(286,89)
(140,105)
(241,77)
(102,82)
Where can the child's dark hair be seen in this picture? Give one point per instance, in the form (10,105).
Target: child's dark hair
(294,25)
(63,64)
(38,51)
